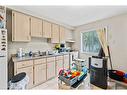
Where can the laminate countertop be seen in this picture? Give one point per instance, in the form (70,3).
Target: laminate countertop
(18,59)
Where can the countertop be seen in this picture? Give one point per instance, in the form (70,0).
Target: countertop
(18,59)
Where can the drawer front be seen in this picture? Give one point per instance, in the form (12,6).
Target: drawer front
(66,56)
(24,64)
(29,73)
(59,57)
(40,61)
(50,59)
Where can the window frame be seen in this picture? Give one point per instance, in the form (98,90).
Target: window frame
(81,33)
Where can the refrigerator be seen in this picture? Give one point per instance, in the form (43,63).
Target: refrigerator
(3,59)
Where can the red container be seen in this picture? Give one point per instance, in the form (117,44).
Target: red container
(120,73)
(125,80)
(117,75)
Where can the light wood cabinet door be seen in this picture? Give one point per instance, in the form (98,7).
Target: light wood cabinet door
(36,27)
(66,62)
(47,33)
(62,34)
(29,73)
(55,33)
(39,73)
(59,66)
(20,27)
(68,34)
(50,69)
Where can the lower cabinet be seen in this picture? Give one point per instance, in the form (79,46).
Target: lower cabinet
(39,73)
(50,69)
(66,62)
(40,70)
(29,73)
(59,66)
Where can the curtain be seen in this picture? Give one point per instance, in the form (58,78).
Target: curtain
(102,38)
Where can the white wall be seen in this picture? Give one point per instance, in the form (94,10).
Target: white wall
(117,39)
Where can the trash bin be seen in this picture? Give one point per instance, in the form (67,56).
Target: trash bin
(19,82)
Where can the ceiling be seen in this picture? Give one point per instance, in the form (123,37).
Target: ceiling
(74,15)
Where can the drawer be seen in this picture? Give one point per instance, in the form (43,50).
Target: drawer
(43,66)
(40,61)
(24,64)
(50,59)
(66,56)
(59,57)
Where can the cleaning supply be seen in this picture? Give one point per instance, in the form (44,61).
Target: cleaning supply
(84,69)
(57,46)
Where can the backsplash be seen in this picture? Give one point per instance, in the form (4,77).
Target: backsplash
(34,45)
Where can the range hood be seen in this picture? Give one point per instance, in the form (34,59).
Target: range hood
(70,41)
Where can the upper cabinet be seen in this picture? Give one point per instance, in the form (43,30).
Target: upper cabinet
(55,33)
(62,34)
(20,27)
(36,27)
(69,35)
(47,33)
(24,27)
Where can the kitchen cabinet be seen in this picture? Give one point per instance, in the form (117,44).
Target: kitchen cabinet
(36,27)
(39,71)
(66,61)
(47,33)
(68,34)
(20,27)
(27,67)
(29,73)
(59,64)
(62,34)
(51,67)
(55,33)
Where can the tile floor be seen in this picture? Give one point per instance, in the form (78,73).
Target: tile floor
(53,85)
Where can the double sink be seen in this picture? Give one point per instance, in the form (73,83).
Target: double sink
(38,54)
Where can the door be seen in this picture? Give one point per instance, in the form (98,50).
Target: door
(47,29)
(39,73)
(50,69)
(55,33)
(59,66)
(36,27)
(62,34)
(66,62)
(29,73)
(20,27)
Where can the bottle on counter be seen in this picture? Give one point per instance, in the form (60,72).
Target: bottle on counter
(19,52)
